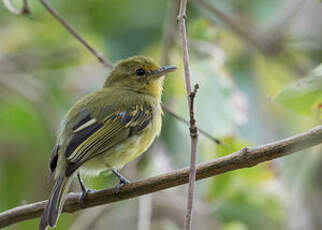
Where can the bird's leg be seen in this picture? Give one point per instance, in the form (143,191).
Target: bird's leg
(85,190)
(122,179)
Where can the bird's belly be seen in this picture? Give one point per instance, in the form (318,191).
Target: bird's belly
(123,153)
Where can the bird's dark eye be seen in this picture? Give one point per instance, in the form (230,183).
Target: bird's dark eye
(140,72)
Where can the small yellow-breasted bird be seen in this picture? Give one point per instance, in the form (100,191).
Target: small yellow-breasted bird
(107,129)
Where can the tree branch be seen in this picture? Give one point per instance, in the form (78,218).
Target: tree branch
(55,14)
(193,127)
(244,158)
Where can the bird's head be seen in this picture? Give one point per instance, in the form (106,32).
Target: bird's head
(140,74)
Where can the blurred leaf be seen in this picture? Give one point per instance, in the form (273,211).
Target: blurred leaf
(202,29)
(235,225)
(305,95)
(216,89)
(251,214)
(231,145)
(272,74)
(238,193)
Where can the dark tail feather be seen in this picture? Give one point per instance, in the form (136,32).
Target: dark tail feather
(55,203)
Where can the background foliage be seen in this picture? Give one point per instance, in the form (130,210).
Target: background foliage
(258,83)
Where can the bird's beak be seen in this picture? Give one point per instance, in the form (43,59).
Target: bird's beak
(162,71)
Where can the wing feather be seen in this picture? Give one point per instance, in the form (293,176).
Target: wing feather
(98,138)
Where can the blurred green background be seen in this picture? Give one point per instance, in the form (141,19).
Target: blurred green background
(259,72)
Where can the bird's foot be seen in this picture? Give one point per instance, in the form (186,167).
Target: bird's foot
(123,181)
(83,196)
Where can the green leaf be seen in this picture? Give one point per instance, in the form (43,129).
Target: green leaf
(305,95)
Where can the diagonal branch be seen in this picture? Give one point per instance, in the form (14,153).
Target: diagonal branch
(55,14)
(244,158)
(203,132)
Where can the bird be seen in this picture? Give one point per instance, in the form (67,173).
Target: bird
(107,129)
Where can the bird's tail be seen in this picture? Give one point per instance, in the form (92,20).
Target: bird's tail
(55,203)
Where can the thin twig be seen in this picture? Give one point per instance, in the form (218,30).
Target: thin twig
(193,127)
(24,10)
(194,143)
(244,158)
(168,42)
(98,55)
(201,131)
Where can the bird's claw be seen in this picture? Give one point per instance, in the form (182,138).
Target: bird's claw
(83,196)
(123,181)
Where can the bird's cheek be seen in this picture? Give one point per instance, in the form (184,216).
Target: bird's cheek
(144,80)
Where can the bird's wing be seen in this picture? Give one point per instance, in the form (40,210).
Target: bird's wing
(92,137)
(53,160)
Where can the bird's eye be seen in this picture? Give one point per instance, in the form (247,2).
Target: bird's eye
(140,72)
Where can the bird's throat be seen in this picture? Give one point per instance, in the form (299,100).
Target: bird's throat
(154,88)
